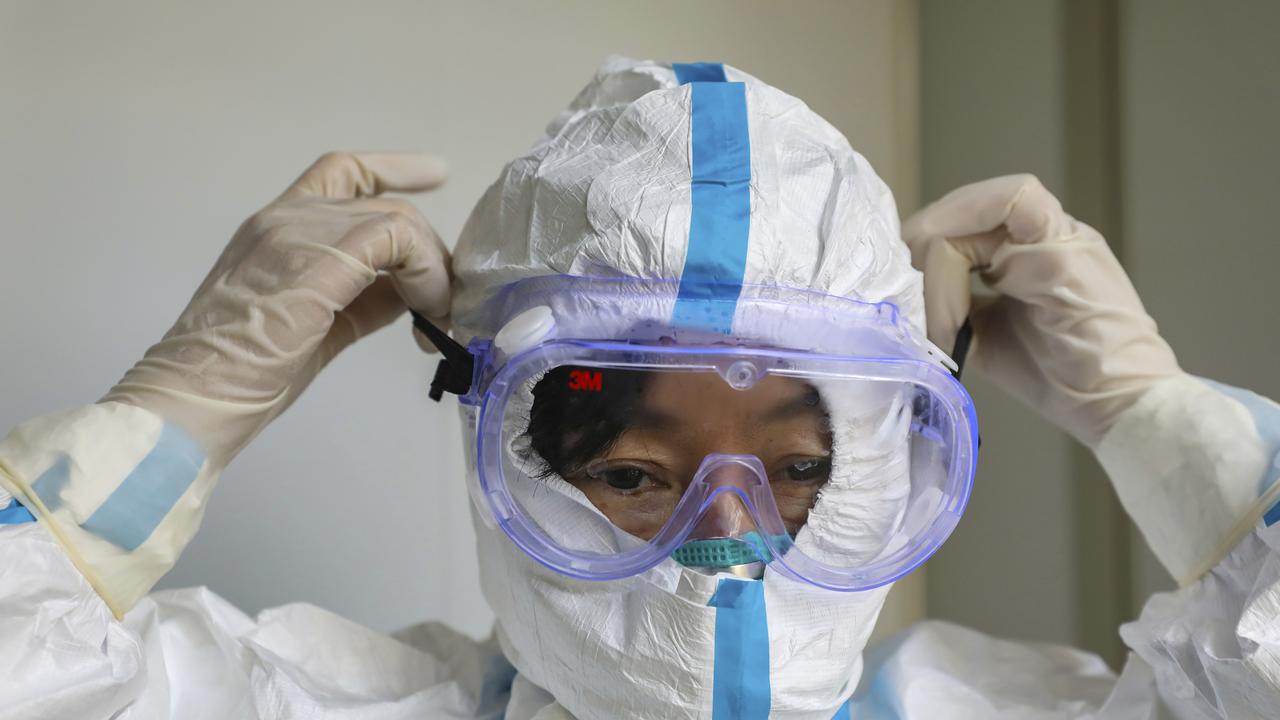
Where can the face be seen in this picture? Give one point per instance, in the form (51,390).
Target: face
(674,420)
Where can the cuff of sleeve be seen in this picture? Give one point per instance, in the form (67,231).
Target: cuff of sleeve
(1195,467)
(121,490)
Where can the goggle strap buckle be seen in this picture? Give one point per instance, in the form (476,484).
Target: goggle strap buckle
(456,368)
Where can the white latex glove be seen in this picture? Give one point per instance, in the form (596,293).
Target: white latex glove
(323,265)
(1065,332)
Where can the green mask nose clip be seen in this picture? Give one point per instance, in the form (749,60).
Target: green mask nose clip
(726,552)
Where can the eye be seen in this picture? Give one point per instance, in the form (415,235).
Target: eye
(620,477)
(809,470)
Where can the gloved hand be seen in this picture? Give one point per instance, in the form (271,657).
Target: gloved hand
(323,265)
(1065,332)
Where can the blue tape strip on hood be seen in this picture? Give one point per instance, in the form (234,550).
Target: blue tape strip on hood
(741,672)
(698,72)
(716,258)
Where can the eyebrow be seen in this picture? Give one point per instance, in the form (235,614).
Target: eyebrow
(803,404)
(648,419)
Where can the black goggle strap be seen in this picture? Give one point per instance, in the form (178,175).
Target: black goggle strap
(963,338)
(456,368)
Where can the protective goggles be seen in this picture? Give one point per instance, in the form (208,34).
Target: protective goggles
(821,437)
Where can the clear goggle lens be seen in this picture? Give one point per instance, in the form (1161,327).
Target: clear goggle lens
(846,474)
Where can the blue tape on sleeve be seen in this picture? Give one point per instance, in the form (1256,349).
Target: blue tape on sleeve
(495,688)
(1272,516)
(741,673)
(1266,420)
(720,226)
(133,510)
(844,713)
(15,514)
(49,486)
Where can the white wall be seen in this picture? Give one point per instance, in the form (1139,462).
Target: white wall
(135,136)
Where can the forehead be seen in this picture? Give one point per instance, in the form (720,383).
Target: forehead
(698,413)
(698,397)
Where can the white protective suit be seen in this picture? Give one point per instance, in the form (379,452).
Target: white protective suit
(606,191)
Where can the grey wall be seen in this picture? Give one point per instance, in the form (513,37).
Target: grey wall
(136,136)
(1201,178)
(992,105)
(1154,121)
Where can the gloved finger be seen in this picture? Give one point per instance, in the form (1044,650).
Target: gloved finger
(999,350)
(373,309)
(982,226)
(952,223)
(947,295)
(1016,207)
(423,343)
(403,244)
(376,306)
(346,176)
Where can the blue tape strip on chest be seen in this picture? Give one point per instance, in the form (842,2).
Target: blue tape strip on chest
(741,673)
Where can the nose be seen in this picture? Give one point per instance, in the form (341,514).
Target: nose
(725,517)
(730,479)
(719,541)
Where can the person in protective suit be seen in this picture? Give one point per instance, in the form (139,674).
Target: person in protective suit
(711,420)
